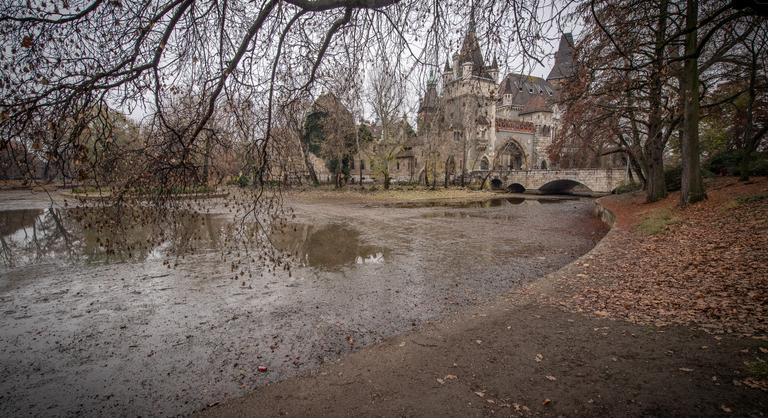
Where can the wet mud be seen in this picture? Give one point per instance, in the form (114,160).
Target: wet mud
(107,334)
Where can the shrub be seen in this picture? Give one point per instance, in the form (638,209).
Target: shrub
(673,178)
(728,163)
(243,180)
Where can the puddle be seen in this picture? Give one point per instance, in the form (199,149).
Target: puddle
(327,247)
(99,235)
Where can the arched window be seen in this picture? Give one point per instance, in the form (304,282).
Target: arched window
(484,164)
(543,165)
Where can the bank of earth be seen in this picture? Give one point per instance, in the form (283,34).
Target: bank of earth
(615,333)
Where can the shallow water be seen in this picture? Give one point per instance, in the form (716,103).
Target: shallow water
(106,334)
(91,236)
(488,203)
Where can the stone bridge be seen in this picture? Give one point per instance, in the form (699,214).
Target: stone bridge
(555,181)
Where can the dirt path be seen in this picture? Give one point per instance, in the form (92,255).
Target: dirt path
(530,354)
(589,367)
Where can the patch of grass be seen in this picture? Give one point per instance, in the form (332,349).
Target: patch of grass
(656,222)
(627,188)
(758,369)
(744,200)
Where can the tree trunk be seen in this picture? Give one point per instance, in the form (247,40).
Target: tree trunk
(386,181)
(434,175)
(748,137)
(656,188)
(692,185)
(206,158)
(361,173)
(447,162)
(308,164)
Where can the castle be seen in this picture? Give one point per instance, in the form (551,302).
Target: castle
(469,123)
(486,124)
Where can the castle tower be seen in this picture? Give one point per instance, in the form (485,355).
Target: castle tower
(564,66)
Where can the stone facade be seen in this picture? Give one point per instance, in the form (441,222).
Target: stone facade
(489,125)
(602,180)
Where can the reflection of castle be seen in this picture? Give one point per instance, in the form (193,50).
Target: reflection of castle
(488,125)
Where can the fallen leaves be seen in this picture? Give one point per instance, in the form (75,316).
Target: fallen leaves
(708,269)
(550,378)
(446,378)
(539,358)
(753,383)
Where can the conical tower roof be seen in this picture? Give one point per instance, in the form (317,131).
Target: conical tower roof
(564,66)
(470,50)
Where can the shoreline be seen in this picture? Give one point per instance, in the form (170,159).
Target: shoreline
(531,353)
(191,349)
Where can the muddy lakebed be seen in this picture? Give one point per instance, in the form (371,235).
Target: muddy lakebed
(88,332)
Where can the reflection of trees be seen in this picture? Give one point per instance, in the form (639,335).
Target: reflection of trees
(107,234)
(327,246)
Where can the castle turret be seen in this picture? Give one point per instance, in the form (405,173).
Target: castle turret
(428,106)
(493,70)
(447,73)
(564,66)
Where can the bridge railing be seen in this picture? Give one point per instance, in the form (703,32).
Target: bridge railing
(571,171)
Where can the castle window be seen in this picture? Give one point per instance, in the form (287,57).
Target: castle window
(398,165)
(352,164)
(484,164)
(362,164)
(530,90)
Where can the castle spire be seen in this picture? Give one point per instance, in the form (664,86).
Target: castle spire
(564,65)
(471,27)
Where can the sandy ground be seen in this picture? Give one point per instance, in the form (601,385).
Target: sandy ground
(139,338)
(531,353)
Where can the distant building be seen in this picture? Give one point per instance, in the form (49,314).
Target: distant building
(486,124)
(469,121)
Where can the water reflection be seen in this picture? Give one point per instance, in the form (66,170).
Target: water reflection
(97,235)
(327,247)
(490,203)
(109,235)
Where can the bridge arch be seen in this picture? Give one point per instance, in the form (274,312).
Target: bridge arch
(516,188)
(496,184)
(561,186)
